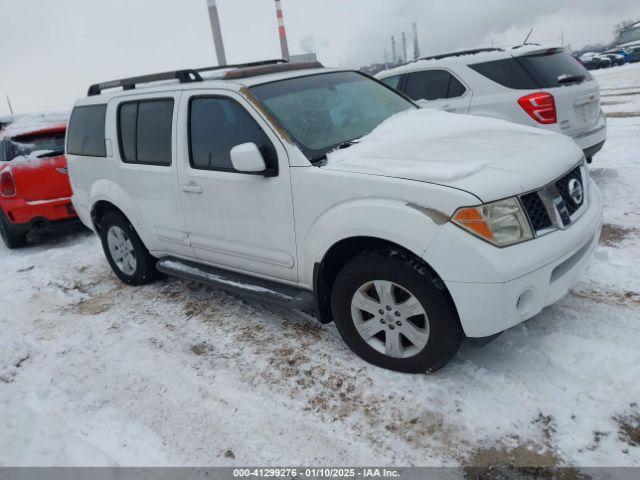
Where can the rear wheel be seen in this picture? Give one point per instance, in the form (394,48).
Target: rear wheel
(129,258)
(11,238)
(394,312)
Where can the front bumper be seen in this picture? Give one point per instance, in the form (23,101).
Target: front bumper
(495,289)
(24,215)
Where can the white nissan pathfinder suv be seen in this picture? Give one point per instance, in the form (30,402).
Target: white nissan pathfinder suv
(543,87)
(411,228)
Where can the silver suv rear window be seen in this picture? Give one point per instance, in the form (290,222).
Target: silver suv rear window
(548,69)
(531,72)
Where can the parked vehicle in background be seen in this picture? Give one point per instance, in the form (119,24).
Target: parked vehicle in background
(317,188)
(34,184)
(591,61)
(605,61)
(50,138)
(634,54)
(621,52)
(615,58)
(538,86)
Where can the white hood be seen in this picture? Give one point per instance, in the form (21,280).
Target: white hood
(490,158)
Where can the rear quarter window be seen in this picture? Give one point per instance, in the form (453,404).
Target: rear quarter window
(532,72)
(507,72)
(548,68)
(85,135)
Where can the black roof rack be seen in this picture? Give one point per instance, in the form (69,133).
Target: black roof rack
(183,76)
(461,53)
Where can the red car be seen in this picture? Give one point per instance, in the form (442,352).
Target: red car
(34,183)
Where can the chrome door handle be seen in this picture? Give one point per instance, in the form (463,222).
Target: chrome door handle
(191,187)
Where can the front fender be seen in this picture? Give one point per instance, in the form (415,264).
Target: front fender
(408,225)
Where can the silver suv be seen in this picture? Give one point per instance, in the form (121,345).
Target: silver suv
(538,86)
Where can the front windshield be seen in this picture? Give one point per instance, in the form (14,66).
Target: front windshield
(24,146)
(323,111)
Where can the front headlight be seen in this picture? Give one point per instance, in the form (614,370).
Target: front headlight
(502,223)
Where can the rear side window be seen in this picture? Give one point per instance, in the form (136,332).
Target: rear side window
(549,68)
(144,131)
(392,81)
(507,72)
(86,131)
(433,85)
(533,71)
(218,124)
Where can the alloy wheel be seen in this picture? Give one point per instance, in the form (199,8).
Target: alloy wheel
(121,250)
(390,319)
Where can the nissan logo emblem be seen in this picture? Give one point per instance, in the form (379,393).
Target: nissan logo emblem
(575,191)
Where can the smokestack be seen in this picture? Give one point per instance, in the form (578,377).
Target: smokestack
(416,45)
(404,48)
(217,33)
(283,34)
(394,59)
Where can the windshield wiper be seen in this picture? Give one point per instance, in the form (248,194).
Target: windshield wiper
(571,79)
(341,146)
(53,153)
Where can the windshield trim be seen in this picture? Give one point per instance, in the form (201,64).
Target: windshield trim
(322,153)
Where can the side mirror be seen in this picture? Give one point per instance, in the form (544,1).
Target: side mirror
(247,158)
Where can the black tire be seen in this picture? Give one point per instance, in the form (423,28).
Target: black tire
(145,269)
(11,238)
(445,333)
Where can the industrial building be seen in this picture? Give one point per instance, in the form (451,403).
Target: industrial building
(629,34)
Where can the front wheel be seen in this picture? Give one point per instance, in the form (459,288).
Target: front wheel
(129,258)
(394,312)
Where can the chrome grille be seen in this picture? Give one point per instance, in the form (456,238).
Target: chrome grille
(559,204)
(536,211)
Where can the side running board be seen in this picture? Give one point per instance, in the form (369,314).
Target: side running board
(238,283)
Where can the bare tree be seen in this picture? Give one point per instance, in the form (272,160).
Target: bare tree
(622,25)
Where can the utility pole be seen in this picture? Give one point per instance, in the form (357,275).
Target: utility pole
(404,47)
(9,103)
(393,51)
(416,45)
(386,59)
(217,32)
(284,47)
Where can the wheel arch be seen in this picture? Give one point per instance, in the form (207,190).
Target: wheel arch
(99,210)
(326,270)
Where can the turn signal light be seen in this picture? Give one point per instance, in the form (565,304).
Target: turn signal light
(473,220)
(541,107)
(7,185)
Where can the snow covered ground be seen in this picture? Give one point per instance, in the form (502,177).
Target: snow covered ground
(96,373)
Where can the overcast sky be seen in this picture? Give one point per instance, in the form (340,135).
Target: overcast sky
(50,51)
